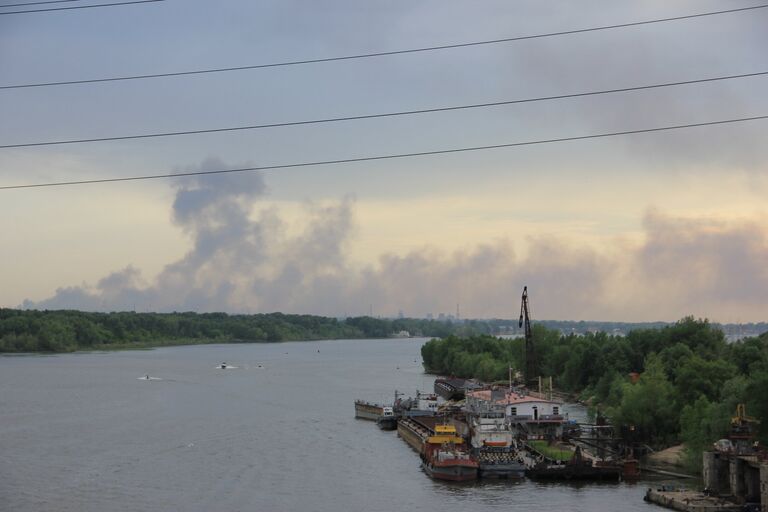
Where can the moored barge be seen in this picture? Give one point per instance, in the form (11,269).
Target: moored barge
(450,388)
(443,453)
(446,458)
(414,433)
(500,463)
(367,410)
(577,468)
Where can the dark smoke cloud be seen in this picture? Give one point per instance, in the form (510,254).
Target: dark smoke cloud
(705,264)
(242,260)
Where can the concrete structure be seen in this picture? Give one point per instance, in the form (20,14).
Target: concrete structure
(690,501)
(716,473)
(742,478)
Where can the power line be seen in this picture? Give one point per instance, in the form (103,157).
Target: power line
(380,115)
(49,9)
(378,54)
(38,3)
(383,157)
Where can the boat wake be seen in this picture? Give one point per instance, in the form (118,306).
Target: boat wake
(225,366)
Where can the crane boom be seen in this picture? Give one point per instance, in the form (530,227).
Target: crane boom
(530,359)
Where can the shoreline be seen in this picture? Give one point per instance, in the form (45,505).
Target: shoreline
(116,347)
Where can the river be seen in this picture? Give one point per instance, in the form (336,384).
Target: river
(81,432)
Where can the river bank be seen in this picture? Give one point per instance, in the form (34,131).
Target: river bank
(68,331)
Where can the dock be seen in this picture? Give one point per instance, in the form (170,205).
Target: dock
(732,482)
(690,501)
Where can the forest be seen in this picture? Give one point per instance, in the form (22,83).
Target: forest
(68,330)
(679,383)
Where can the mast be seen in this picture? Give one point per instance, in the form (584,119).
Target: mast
(530,358)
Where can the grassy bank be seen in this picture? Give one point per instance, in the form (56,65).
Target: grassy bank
(551,452)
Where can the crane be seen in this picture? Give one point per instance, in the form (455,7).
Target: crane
(530,358)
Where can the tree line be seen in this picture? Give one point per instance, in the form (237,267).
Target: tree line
(679,383)
(68,330)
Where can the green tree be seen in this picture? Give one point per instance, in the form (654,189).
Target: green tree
(650,406)
(697,377)
(701,424)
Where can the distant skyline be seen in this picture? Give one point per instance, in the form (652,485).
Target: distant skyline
(642,227)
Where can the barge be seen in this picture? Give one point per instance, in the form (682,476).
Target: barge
(368,411)
(443,453)
(500,463)
(446,458)
(450,388)
(577,468)
(414,433)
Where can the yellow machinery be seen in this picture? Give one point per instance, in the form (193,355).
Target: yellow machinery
(742,428)
(741,417)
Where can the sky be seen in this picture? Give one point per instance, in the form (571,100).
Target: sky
(643,227)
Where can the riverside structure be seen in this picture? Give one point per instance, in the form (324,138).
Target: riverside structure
(504,433)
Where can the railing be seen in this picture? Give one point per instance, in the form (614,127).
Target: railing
(541,417)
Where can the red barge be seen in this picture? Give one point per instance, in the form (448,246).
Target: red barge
(447,458)
(443,452)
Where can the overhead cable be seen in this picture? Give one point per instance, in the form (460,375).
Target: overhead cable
(377,116)
(381,157)
(39,3)
(49,9)
(378,54)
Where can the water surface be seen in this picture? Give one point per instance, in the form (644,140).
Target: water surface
(82,432)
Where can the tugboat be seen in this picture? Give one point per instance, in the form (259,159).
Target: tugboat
(494,446)
(446,458)
(387,420)
(425,404)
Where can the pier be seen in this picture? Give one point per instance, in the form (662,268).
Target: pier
(732,481)
(690,501)
(510,433)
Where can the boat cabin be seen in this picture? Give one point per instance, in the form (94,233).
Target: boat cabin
(527,416)
(445,434)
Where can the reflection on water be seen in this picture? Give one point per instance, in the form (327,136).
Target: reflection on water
(79,432)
